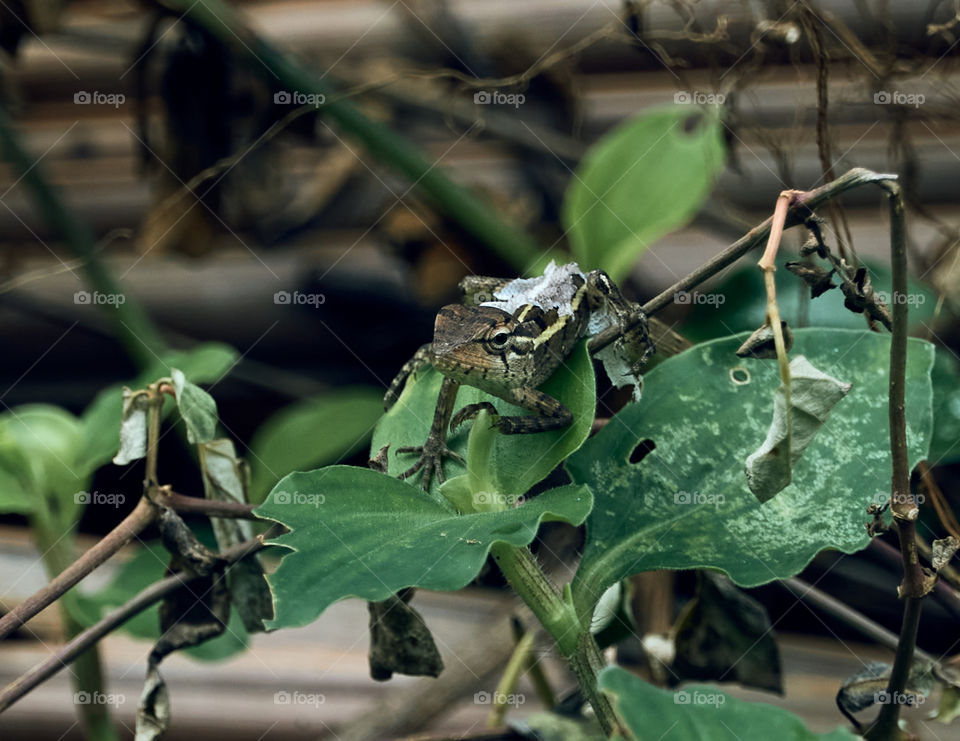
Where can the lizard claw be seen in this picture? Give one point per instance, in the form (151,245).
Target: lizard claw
(431,453)
(471,411)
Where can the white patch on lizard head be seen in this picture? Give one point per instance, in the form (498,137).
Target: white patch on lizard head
(552,290)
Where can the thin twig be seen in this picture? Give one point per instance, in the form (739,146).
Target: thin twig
(142,515)
(83,641)
(210,507)
(846,614)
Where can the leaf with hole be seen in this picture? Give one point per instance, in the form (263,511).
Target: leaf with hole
(686,503)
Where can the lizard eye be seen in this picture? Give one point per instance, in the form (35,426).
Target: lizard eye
(500,340)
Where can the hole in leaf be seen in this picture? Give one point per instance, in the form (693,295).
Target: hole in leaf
(643,449)
(692,122)
(740,375)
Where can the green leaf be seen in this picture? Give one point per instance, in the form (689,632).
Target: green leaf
(134,575)
(700,712)
(205,363)
(519,461)
(646,178)
(197,408)
(360,533)
(311,433)
(40,457)
(686,504)
(13,497)
(945,446)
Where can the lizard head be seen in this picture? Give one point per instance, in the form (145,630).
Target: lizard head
(484,346)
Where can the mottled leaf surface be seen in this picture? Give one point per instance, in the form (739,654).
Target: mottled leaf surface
(686,503)
(360,533)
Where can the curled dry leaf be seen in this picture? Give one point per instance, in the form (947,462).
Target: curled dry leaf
(868,687)
(400,640)
(225,478)
(812,395)
(133,427)
(185,620)
(761,344)
(818,278)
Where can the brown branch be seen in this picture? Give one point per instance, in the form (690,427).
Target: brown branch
(801,208)
(142,515)
(83,641)
(196,505)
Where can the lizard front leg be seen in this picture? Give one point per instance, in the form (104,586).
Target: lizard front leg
(420,358)
(433,451)
(550,413)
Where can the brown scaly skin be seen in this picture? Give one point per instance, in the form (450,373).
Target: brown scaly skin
(507,356)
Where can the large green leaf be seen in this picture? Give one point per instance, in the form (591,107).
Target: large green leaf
(700,712)
(205,363)
(686,504)
(644,179)
(147,566)
(519,461)
(311,433)
(360,533)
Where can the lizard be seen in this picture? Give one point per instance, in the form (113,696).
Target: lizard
(508,355)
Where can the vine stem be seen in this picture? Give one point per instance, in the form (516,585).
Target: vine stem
(142,515)
(131,324)
(903,505)
(89,637)
(557,614)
